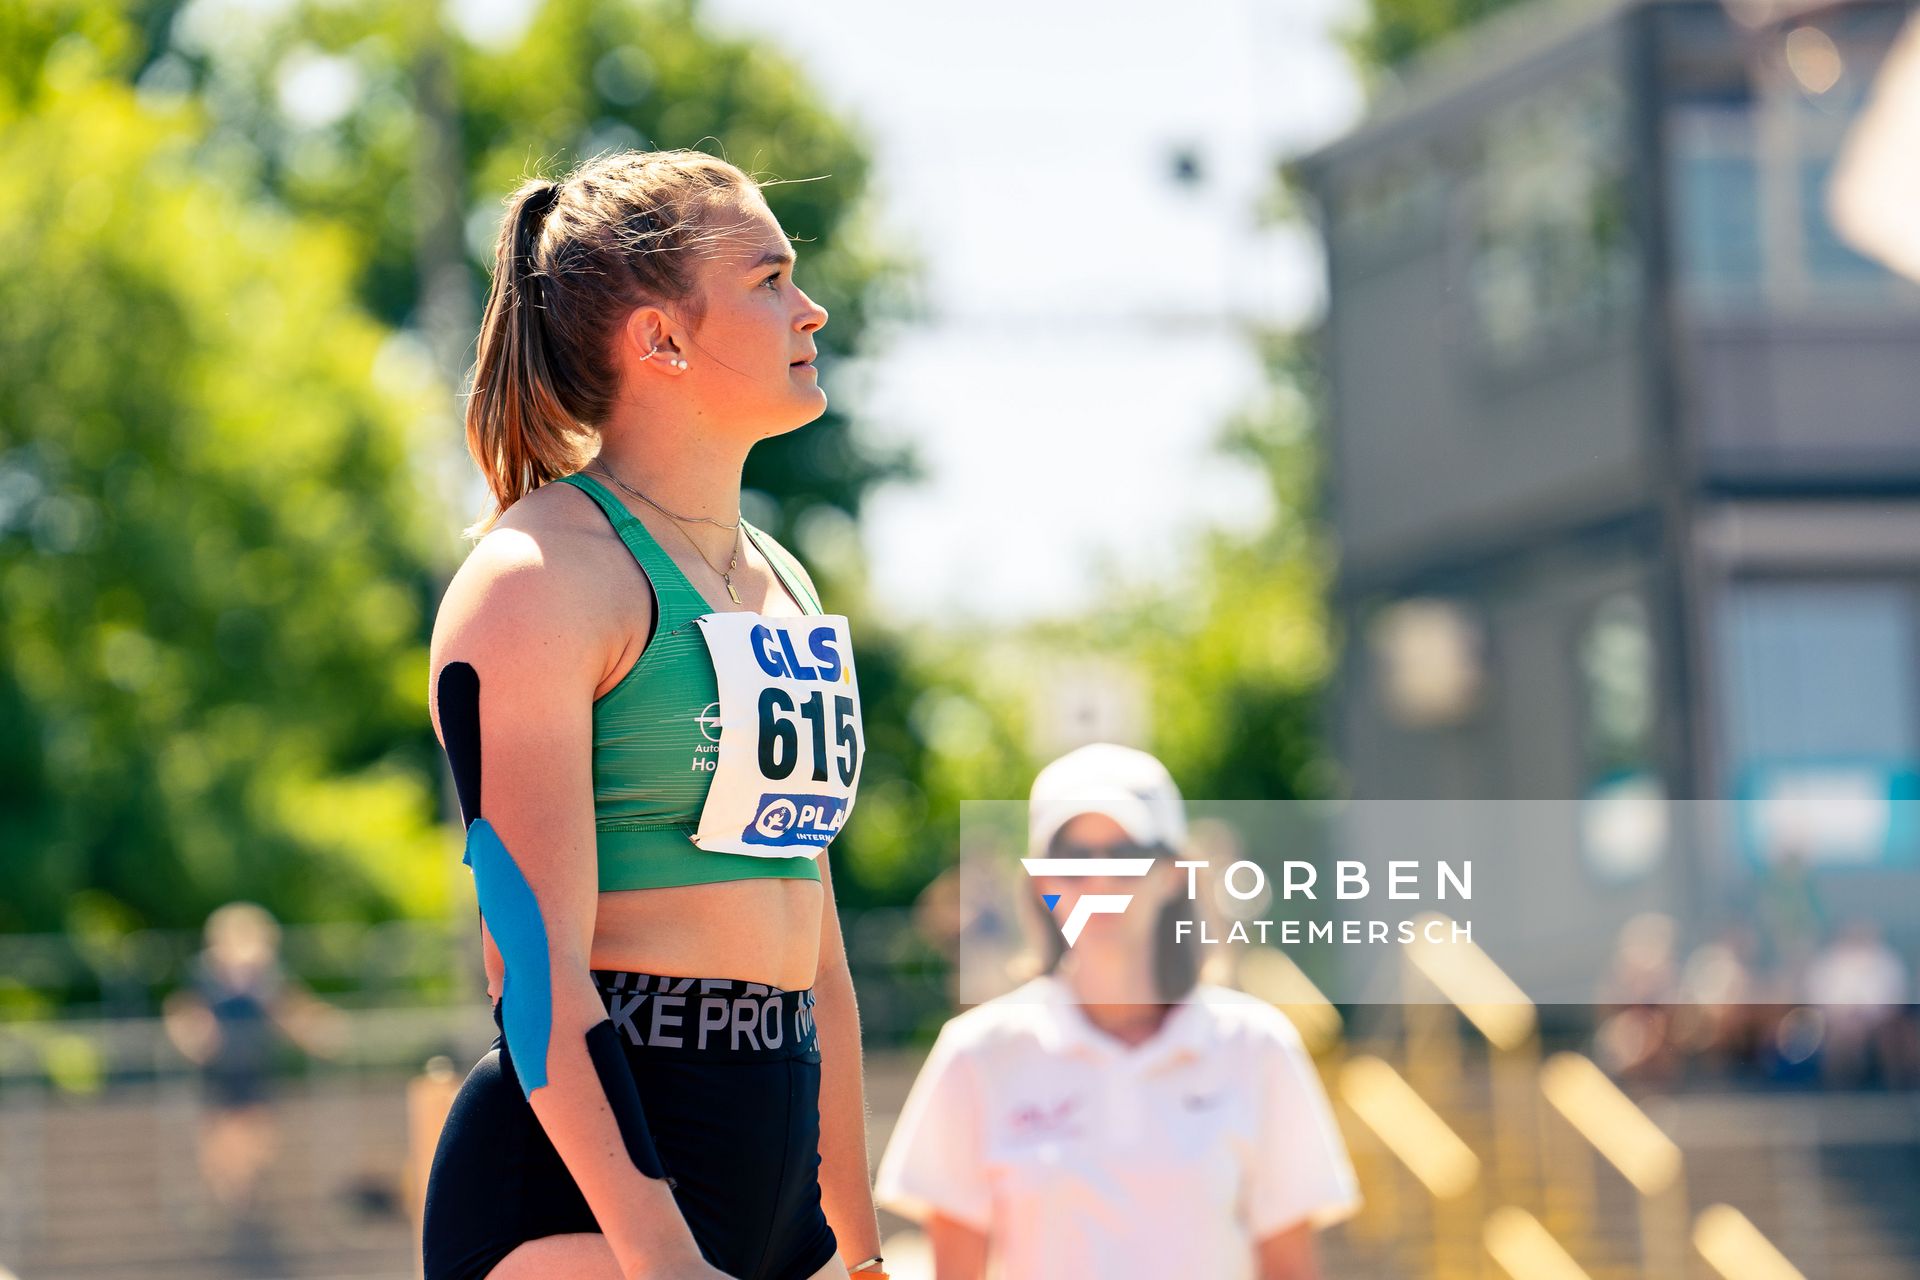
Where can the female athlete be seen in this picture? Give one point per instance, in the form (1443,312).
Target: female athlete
(655,732)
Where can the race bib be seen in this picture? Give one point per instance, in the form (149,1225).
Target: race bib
(791,743)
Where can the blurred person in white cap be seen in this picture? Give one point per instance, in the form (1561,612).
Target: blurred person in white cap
(1115,1116)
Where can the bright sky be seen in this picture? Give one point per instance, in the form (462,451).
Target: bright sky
(1077,359)
(1074,372)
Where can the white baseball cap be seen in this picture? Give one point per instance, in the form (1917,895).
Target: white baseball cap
(1129,786)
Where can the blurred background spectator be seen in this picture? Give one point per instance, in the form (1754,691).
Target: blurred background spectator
(229,1022)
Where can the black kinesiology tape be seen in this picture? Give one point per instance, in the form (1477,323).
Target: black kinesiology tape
(616,1081)
(459,698)
(460,728)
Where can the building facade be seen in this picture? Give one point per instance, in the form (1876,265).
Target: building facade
(1624,459)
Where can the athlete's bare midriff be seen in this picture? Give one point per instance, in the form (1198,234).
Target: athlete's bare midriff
(760,930)
(763,930)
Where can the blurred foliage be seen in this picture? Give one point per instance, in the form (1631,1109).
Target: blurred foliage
(229,232)
(1397,30)
(1234,655)
(408,135)
(1237,680)
(340,107)
(213,551)
(1240,659)
(238,236)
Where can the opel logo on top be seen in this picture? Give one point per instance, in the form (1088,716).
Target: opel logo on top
(1088,905)
(709,722)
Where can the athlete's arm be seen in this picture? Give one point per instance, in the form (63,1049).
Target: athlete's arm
(1289,1254)
(846,1186)
(515,661)
(959,1250)
(846,1181)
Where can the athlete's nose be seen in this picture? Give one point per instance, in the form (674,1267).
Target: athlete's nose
(815,317)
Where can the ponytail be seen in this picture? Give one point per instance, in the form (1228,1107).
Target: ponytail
(572,260)
(517,428)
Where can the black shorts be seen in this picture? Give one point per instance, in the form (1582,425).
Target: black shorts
(234,1090)
(729,1076)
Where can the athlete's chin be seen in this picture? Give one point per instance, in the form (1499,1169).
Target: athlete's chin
(810,412)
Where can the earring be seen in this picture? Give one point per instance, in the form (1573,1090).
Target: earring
(677,362)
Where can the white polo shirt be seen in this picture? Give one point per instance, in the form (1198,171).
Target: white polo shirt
(1081,1156)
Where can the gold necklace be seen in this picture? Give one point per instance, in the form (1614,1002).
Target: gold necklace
(657,507)
(726,575)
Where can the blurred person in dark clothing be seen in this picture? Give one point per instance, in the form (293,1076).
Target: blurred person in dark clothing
(229,1021)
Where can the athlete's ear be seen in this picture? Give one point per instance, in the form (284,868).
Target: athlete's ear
(459,698)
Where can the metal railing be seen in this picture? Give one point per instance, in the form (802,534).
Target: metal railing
(409,990)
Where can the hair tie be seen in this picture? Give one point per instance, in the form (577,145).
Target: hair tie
(542,200)
(533,212)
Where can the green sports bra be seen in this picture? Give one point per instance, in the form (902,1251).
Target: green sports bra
(654,739)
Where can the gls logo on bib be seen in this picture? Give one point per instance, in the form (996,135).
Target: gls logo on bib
(791,741)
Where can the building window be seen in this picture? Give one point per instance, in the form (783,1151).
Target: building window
(1819,719)
(1550,259)
(1624,822)
(1719,215)
(1752,150)
(1616,679)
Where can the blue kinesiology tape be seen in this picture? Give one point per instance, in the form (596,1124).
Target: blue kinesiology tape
(513,918)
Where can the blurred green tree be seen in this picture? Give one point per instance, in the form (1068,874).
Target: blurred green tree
(202,630)
(214,552)
(407,132)
(1396,30)
(1239,669)
(1239,674)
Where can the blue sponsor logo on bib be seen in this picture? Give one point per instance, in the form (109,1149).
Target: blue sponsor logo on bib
(787,820)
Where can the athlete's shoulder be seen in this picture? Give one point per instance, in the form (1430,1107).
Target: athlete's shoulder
(527,589)
(535,546)
(553,510)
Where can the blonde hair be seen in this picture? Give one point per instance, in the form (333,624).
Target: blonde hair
(572,260)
